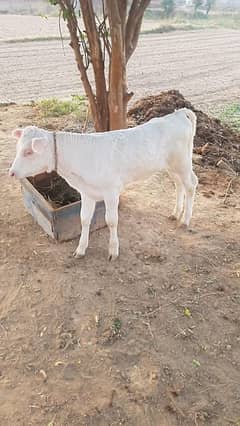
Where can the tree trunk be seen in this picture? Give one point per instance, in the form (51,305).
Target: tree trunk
(117,68)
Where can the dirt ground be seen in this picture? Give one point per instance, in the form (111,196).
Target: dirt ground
(29,26)
(203,65)
(150,340)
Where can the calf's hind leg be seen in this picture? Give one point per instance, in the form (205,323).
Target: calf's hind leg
(190,182)
(179,205)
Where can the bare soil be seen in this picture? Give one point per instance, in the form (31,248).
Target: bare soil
(204,65)
(29,26)
(152,339)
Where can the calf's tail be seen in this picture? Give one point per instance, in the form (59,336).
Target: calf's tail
(193,118)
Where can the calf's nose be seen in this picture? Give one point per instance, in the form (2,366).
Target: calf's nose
(11,173)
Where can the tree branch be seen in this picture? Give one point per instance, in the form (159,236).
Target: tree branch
(96,56)
(89,45)
(72,25)
(102,29)
(133,25)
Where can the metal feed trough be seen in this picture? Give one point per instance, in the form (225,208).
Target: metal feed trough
(61,223)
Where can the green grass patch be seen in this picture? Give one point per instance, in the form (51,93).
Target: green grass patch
(231,21)
(230,114)
(54,107)
(116,326)
(186,22)
(31,39)
(172,27)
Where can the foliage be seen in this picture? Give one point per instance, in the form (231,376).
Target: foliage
(197,4)
(54,107)
(185,22)
(230,114)
(209,5)
(200,4)
(53,2)
(200,15)
(168,7)
(116,326)
(173,26)
(37,38)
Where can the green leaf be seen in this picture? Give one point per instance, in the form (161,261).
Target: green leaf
(116,326)
(67,13)
(187,312)
(53,2)
(196,363)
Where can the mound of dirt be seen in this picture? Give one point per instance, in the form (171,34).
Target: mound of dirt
(214,141)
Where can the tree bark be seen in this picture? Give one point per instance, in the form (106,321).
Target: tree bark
(117,67)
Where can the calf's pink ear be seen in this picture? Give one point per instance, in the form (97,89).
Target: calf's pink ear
(17,133)
(39,144)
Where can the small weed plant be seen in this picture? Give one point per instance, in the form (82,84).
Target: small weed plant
(54,107)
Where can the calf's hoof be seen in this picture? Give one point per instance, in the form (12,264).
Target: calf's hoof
(172,217)
(113,254)
(78,254)
(112,257)
(183,226)
(113,251)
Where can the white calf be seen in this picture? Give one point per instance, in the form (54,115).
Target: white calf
(100,165)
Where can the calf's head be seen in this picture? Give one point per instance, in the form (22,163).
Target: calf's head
(34,152)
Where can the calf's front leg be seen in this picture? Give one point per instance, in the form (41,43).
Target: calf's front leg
(111,217)
(87,210)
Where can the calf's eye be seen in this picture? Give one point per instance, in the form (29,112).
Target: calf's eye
(27,152)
